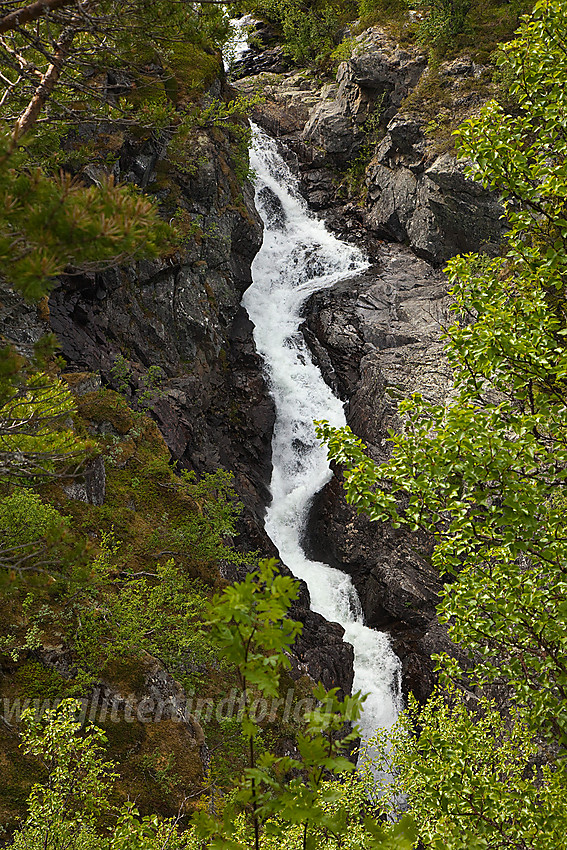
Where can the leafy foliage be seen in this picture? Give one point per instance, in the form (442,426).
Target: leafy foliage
(310,31)
(33,537)
(308,809)
(485,473)
(160,610)
(64,812)
(475,779)
(78,778)
(24,518)
(160,615)
(250,626)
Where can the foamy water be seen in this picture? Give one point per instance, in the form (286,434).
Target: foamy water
(298,257)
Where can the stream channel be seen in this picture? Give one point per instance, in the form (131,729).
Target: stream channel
(298,257)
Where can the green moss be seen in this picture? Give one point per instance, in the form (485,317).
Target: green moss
(150,509)
(429,97)
(34,681)
(488,23)
(106,406)
(18,772)
(441,104)
(193,70)
(127,674)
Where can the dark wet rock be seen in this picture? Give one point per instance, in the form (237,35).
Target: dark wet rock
(321,652)
(273,208)
(379,334)
(22,324)
(390,569)
(272,60)
(263,54)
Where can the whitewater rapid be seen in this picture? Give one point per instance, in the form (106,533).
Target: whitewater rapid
(298,257)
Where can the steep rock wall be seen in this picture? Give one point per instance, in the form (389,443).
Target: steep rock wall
(182,315)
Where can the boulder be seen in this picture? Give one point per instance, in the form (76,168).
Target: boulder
(90,485)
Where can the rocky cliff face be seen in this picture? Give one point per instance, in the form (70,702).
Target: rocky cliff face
(377,337)
(180,315)
(428,202)
(388,117)
(183,316)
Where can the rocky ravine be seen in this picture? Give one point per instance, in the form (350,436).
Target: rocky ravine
(184,316)
(377,337)
(380,109)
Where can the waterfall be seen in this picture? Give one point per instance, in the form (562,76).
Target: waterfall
(237,44)
(298,257)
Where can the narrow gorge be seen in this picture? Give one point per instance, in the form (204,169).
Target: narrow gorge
(366,314)
(305,285)
(283,424)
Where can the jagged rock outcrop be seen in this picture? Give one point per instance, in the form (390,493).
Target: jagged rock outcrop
(320,651)
(377,338)
(428,202)
(376,79)
(181,315)
(262,52)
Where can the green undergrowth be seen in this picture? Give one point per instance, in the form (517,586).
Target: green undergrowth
(121,610)
(447,28)
(441,103)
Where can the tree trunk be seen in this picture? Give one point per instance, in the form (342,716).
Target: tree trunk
(48,82)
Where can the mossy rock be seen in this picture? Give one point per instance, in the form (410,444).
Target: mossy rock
(127,675)
(106,406)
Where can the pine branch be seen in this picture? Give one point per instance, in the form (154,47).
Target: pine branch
(31,13)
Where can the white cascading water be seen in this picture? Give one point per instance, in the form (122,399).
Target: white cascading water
(237,44)
(298,257)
